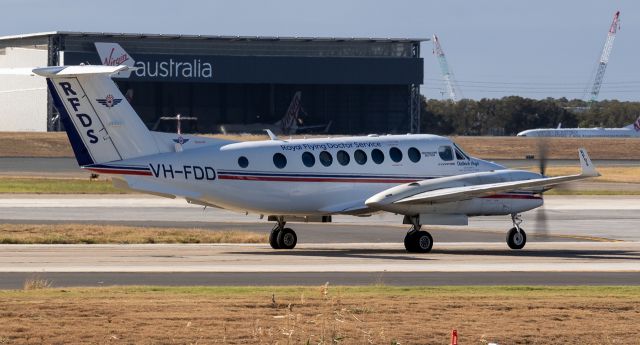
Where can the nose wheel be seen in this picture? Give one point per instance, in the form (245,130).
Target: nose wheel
(516,237)
(282,238)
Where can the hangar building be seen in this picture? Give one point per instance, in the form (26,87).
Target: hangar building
(360,85)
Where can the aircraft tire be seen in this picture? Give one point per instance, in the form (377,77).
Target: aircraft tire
(409,242)
(516,239)
(273,239)
(418,242)
(423,242)
(287,238)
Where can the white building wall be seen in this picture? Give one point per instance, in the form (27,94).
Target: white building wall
(23,99)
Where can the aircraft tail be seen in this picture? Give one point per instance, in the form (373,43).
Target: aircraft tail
(112,54)
(289,123)
(635,126)
(100,123)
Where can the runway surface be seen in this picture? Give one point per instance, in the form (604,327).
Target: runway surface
(615,217)
(65,279)
(347,257)
(449,263)
(589,240)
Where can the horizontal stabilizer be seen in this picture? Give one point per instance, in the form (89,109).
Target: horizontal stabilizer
(79,70)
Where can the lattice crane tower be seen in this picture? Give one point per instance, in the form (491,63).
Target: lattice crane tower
(447,75)
(604,57)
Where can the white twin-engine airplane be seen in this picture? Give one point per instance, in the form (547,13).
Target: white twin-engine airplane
(426,178)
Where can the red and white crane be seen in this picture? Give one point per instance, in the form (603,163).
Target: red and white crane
(604,57)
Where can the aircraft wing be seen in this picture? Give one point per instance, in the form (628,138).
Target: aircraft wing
(355,207)
(477,191)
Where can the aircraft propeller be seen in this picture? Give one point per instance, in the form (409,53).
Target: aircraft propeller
(541,226)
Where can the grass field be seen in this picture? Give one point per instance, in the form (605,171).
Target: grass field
(320,315)
(56,144)
(56,186)
(91,234)
(609,174)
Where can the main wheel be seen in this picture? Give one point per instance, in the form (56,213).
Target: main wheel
(409,242)
(273,238)
(418,242)
(287,238)
(516,239)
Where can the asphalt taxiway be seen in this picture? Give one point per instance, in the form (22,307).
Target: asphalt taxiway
(588,240)
(572,263)
(608,217)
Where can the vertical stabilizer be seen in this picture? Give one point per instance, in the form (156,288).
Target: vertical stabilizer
(112,54)
(289,123)
(101,125)
(635,126)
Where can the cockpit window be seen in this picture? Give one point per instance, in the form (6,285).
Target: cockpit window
(446,153)
(460,154)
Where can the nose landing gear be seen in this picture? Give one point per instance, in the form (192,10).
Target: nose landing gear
(516,237)
(281,237)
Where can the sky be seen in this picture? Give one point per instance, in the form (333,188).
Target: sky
(495,48)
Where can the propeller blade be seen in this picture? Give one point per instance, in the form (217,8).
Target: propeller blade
(543,150)
(541,224)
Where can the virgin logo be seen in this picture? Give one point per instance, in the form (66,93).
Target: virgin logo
(111,61)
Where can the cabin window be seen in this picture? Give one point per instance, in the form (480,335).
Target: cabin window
(446,153)
(243,162)
(343,157)
(279,160)
(377,156)
(308,159)
(395,154)
(414,154)
(325,158)
(360,157)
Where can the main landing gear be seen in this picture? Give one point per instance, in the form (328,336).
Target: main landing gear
(416,240)
(281,237)
(516,237)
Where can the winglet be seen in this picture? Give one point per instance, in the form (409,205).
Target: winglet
(588,169)
(271,135)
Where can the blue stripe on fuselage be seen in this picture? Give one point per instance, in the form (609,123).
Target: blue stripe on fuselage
(79,149)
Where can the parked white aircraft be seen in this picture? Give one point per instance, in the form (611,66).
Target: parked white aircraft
(289,124)
(630,131)
(426,178)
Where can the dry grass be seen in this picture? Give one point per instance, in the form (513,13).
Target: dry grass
(609,174)
(29,144)
(26,144)
(100,234)
(39,185)
(36,283)
(558,148)
(331,315)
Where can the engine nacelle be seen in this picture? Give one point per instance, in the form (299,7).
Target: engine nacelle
(499,204)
